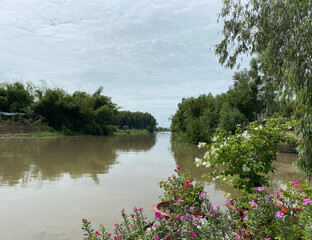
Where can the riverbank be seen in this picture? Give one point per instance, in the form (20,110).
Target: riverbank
(131,132)
(26,129)
(38,129)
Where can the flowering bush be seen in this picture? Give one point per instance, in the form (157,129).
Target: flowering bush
(244,159)
(182,192)
(298,199)
(211,224)
(260,214)
(263,216)
(286,214)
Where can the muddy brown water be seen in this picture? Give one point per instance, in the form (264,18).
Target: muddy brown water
(47,185)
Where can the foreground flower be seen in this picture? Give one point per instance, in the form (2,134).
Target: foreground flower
(294,183)
(260,188)
(158,215)
(217,207)
(279,214)
(306,201)
(201,144)
(252,203)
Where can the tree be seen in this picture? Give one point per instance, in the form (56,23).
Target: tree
(244,95)
(279,32)
(230,118)
(15,97)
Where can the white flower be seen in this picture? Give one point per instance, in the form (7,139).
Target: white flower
(213,179)
(214,138)
(246,135)
(246,168)
(198,162)
(227,195)
(203,221)
(201,144)
(206,156)
(207,164)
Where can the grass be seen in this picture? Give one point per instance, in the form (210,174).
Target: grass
(33,134)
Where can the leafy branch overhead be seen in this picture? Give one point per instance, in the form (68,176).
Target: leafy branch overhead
(279,33)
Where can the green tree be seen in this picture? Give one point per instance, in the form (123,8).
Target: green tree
(279,32)
(244,95)
(15,97)
(230,118)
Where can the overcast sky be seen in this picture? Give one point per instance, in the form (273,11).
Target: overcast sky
(147,54)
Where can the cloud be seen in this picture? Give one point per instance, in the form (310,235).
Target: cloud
(147,54)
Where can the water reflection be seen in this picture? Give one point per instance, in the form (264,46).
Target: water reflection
(23,160)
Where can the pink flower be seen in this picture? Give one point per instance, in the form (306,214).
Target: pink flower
(191,208)
(253,203)
(310,226)
(166,236)
(84,220)
(193,235)
(299,190)
(260,188)
(96,232)
(158,215)
(306,201)
(187,186)
(279,214)
(203,195)
(294,183)
(191,180)
(267,239)
(245,218)
(217,207)
(157,238)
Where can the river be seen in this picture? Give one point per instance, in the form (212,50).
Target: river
(47,185)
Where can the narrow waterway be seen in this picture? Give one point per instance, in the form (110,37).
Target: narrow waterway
(47,185)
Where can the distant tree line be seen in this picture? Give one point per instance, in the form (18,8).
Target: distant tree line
(79,112)
(136,120)
(253,92)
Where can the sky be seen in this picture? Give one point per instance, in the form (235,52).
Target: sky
(147,54)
